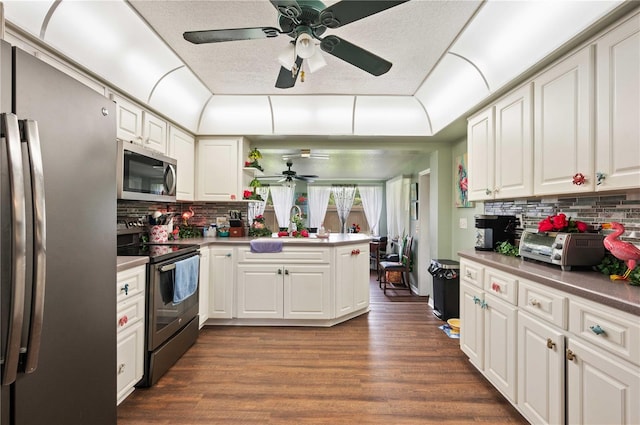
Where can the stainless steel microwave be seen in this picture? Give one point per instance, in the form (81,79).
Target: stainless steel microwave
(145,175)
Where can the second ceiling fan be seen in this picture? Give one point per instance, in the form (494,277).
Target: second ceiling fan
(305,21)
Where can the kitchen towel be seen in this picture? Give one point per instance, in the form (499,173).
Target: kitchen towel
(186,279)
(263,245)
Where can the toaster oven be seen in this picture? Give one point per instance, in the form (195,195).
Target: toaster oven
(566,250)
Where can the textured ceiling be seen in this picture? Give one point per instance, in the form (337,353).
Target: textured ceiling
(413,36)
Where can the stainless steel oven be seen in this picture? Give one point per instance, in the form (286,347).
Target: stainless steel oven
(171,328)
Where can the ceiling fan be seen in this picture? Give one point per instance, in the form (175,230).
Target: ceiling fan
(305,21)
(289,175)
(305,153)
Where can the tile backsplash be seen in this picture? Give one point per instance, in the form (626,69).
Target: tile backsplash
(593,210)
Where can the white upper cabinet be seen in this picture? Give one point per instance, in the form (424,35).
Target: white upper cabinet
(219,167)
(500,145)
(618,107)
(128,120)
(182,147)
(563,135)
(138,126)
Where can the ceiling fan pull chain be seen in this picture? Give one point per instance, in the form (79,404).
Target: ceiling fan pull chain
(302,76)
(294,70)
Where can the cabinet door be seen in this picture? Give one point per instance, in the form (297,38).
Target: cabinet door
(128,121)
(154,133)
(618,107)
(182,148)
(203,286)
(500,345)
(130,359)
(307,292)
(472,324)
(514,144)
(361,265)
(540,371)
(601,389)
(218,169)
(346,278)
(222,276)
(260,291)
(563,136)
(481,155)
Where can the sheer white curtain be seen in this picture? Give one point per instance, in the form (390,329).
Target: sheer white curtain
(257,208)
(372,204)
(343,195)
(397,206)
(318,202)
(282,197)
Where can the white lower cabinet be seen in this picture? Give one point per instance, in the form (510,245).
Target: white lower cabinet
(130,313)
(578,361)
(203,287)
(352,278)
(222,277)
(540,370)
(293,291)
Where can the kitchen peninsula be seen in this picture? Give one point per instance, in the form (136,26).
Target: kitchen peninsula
(310,282)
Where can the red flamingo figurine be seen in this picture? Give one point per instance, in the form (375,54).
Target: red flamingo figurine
(622,250)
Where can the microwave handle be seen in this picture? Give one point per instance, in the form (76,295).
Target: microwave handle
(171,190)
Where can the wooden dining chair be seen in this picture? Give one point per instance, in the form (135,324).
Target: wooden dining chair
(403,266)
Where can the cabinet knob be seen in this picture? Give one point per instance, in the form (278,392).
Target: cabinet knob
(125,289)
(286,272)
(600,178)
(534,302)
(487,192)
(596,329)
(228,254)
(570,355)
(495,287)
(579,179)
(123,320)
(279,271)
(550,344)
(121,368)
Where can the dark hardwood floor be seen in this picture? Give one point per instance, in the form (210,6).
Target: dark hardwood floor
(392,366)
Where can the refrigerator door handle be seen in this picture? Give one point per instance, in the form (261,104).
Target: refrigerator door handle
(32,139)
(171,190)
(11,132)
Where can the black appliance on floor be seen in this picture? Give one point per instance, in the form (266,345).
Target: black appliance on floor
(446,288)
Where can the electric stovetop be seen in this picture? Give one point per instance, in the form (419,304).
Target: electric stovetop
(157,252)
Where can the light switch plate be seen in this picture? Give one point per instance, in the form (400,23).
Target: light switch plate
(463,223)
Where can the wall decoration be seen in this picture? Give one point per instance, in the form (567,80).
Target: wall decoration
(414,210)
(413,192)
(462,185)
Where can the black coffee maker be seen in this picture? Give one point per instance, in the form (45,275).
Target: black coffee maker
(491,230)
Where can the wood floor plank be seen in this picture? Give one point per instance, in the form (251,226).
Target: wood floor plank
(390,366)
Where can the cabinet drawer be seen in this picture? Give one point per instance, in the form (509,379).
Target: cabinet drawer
(543,302)
(130,282)
(471,272)
(295,254)
(611,329)
(501,285)
(129,312)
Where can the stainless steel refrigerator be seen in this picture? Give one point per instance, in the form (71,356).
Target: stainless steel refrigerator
(57,247)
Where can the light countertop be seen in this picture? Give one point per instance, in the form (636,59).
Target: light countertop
(588,284)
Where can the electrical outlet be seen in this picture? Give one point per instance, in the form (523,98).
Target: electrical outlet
(463,223)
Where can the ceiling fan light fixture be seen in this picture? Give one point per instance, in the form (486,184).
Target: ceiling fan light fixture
(288,56)
(316,61)
(305,47)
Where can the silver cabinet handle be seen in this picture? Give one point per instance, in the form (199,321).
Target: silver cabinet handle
(11,133)
(32,139)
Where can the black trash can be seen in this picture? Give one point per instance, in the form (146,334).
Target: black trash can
(446,288)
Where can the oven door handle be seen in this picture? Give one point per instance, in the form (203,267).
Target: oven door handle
(167,267)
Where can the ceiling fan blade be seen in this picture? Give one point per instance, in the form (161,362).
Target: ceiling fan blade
(308,179)
(289,8)
(286,79)
(355,55)
(347,11)
(217,36)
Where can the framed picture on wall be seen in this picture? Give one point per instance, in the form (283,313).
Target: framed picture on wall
(413,192)
(414,210)
(462,185)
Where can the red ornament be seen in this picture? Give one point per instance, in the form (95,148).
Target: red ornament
(579,179)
